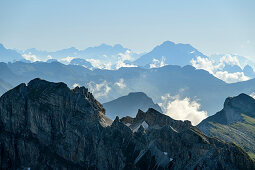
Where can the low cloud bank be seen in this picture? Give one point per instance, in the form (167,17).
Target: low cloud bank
(99,90)
(182,109)
(217,69)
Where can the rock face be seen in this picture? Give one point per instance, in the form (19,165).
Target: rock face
(46,125)
(129,105)
(234,123)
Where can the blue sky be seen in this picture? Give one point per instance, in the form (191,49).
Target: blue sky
(212,26)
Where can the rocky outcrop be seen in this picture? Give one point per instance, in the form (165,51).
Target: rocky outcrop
(46,125)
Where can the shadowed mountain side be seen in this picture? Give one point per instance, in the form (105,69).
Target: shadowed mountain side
(129,105)
(45,125)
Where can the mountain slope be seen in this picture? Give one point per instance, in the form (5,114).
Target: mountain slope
(234,123)
(171,53)
(129,105)
(46,125)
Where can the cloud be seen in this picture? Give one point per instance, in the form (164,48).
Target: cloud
(125,56)
(156,63)
(68,59)
(121,63)
(122,58)
(75,85)
(231,77)
(49,57)
(99,90)
(120,84)
(100,64)
(230,60)
(252,95)
(31,57)
(182,109)
(217,69)
(206,64)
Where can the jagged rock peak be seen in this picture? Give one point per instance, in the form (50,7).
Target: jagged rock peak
(242,102)
(156,119)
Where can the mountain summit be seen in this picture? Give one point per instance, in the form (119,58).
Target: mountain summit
(171,54)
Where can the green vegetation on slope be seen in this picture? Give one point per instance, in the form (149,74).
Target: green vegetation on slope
(241,133)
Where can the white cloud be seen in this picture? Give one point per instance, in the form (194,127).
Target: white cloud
(252,95)
(231,77)
(120,84)
(122,58)
(156,63)
(75,85)
(217,69)
(68,59)
(182,109)
(230,60)
(121,63)
(206,64)
(49,57)
(126,56)
(100,64)
(31,57)
(99,90)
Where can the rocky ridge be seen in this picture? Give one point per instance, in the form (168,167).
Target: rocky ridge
(46,125)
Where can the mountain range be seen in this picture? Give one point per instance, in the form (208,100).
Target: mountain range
(45,125)
(108,85)
(113,57)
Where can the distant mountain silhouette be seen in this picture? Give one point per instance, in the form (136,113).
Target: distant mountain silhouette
(101,52)
(232,68)
(129,105)
(248,71)
(174,54)
(8,55)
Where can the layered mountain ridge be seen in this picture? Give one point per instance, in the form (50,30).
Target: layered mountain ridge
(46,125)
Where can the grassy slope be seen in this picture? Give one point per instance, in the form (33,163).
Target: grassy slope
(240,133)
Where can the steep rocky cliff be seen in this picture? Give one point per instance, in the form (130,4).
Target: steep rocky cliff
(46,125)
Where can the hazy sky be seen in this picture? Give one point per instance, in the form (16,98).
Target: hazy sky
(212,26)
